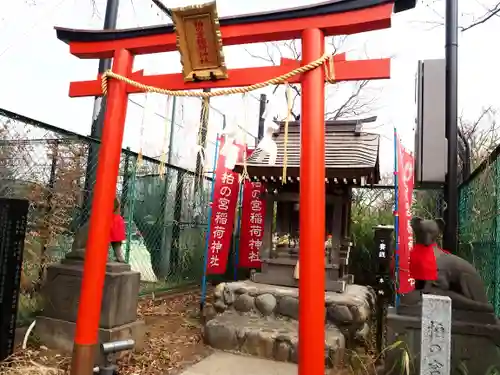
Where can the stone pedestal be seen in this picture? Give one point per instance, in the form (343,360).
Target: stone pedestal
(56,325)
(280,271)
(475,341)
(262,320)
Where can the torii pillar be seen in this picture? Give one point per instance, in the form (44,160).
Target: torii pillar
(312,213)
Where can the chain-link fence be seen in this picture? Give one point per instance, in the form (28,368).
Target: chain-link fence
(165,209)
(479,224)
(166,219)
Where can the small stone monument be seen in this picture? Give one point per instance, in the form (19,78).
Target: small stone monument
(472,325)
(56,325)
(435,347)
(13,217)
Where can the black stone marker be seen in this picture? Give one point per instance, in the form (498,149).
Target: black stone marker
(13,217)
(383,254)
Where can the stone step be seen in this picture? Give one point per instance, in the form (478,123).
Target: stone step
(267,337)
(223,363)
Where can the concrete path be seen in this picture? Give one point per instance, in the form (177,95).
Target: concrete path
(221,363)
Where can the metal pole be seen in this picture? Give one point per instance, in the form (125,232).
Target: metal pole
(262,109)
(172,127)
(466,157)
(312,219)
(202,137)
(451,185)
(396,219)
(96,252)
(163,8)
(237,235)
(130,210)
(126,184)
(176,228)
(207,234)
(48,212)
(127,208)
(496,292)
(110,19)
(167,182)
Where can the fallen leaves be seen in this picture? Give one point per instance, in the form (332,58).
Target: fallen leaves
(34,362)
(173,341)
(174,337)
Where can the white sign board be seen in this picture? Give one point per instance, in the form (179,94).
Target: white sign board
(435,350)
(430,139)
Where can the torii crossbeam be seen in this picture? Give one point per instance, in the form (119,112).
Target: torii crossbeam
(358,70)
(309,23)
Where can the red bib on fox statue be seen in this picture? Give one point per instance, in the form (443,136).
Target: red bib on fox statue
(423,265)
(423,262)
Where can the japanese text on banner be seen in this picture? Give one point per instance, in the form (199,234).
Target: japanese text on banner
(222,219)
(253,215)
(405,179)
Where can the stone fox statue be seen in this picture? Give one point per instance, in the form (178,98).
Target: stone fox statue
(439,272)
(117,236)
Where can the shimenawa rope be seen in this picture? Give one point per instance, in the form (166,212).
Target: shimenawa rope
(330,76)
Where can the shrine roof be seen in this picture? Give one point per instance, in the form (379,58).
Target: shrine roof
(328,7)
(349,152)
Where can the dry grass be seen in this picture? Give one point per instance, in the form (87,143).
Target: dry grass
(173,341)
(34,362)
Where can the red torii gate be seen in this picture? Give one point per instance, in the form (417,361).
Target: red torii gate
(311,24)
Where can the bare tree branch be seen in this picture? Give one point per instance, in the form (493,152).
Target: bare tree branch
(483,134)
(486,15)
(268,57)
(490,13)
(353,105)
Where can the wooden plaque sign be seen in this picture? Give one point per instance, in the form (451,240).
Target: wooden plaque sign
(199,42)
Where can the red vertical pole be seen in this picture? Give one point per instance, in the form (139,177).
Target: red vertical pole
(312,211)
(96,253)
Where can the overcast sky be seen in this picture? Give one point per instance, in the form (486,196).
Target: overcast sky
(36,70)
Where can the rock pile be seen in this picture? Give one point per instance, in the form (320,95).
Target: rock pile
(262,320)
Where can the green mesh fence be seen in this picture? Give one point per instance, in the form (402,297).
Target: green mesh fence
(166,214)
(479,225)
(47,167)
(166,220)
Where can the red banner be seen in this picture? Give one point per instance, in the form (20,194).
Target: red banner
(224,201)
(405,177)
(253,213)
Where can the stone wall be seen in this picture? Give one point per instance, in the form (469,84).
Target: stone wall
(262,320)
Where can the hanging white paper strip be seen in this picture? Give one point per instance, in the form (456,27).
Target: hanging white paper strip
(267,145)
